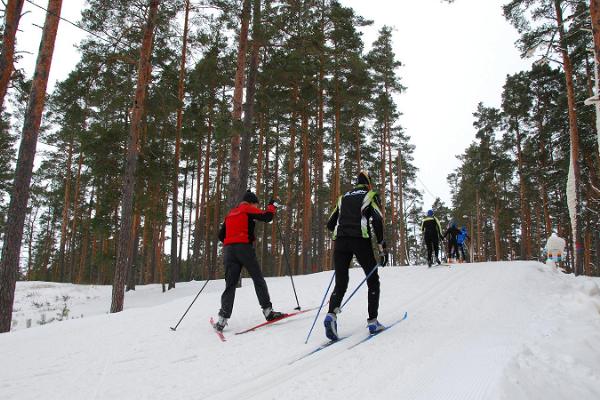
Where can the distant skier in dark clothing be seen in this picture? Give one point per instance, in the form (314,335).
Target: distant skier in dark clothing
(432,233)
(349,223)
(237,235)
(460,241)
(452,235)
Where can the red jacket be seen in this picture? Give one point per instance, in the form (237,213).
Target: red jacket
(239,223)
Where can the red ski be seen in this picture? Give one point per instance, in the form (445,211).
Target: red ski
(275,320)
(219,333)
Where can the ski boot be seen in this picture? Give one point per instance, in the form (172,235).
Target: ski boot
(438,261)
(270,315)
(220,324)
(374,326)
(330,323)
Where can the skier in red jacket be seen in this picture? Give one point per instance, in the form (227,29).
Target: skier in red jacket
(237,235)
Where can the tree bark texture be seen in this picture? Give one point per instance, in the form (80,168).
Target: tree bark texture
(578,245)
(12,16)
(235,189)
(137,112)
(9,264)
(175,203)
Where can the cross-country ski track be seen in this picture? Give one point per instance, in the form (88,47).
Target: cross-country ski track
(505,330)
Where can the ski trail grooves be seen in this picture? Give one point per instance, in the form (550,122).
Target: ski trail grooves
(271,379)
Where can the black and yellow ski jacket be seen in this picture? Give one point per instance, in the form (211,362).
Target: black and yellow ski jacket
(352,213)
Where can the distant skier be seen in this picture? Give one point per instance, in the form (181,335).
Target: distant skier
(555,248)
(452,234)
(237,235)
(349,223)
(432,233)
(461,242)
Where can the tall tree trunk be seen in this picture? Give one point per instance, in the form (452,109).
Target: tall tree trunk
(392,199)
(234,190)
(525,215)
(189,233)
(248,128)
(76,217)
(403,260)
(65,212)
(320,197)
(175,202)
(595,13)
(17,209)
(125,242)
(573,183)
(479,230)
(12,16)
(276,262)
(497,235)
(185,178)
(212,269)
(290,174)
(307,206)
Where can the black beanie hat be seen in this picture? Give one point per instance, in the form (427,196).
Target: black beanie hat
(363,178)
(250,197)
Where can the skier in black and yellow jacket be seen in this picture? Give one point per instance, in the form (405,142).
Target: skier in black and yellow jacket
(349,223)
(432,233)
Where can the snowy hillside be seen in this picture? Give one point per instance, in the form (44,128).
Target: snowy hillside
(474,331)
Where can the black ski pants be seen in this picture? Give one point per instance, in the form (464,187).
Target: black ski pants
(433,245)
(452,248)
(235,256)
(344,249)
(461,251)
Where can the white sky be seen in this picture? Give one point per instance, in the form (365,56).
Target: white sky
(454,56)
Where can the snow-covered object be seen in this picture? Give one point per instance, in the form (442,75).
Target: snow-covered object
(555,247)
(481,331)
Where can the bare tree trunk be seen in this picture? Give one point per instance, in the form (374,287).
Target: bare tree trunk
(234,190)
(65,212)
(76,216)
(291,172)
(595,13)
(392,199)
(573,184)
(525,214)
(17,209)
(12,16)
(248,128)
(307,206)
(125,242)
(175,203)
(182,216)
(497,236)
(479,237)
(403,260)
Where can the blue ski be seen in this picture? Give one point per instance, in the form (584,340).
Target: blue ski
(321,347)
(372,335)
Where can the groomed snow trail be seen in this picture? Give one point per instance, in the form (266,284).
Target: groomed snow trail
(508,330)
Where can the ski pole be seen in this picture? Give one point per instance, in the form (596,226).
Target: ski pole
(359,285)
(190,306)
(320,307)
(287,262)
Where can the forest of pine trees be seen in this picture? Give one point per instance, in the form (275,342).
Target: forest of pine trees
(176,107)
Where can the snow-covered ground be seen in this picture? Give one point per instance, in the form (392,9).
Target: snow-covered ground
(511,330)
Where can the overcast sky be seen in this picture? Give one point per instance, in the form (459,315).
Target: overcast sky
(453,57)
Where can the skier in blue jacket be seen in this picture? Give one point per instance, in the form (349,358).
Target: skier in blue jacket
(460,240)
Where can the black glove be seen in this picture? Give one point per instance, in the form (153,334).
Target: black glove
(383,254)
(275,202)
